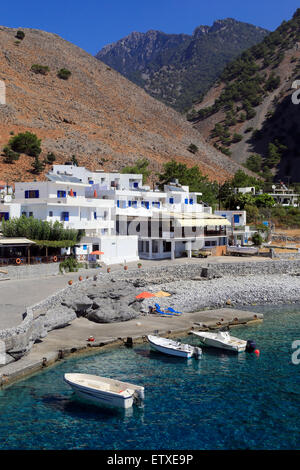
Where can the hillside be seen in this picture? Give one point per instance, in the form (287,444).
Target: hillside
(249,115)
(97,114)
(177,68)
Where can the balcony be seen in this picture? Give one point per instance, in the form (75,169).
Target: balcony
(214,233)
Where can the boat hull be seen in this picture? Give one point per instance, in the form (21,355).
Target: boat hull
(237,346)
(103,391)
(170,351)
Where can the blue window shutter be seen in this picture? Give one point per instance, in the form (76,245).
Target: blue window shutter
(191,201)
(171,200)
(6,216)
(66,216)
(26,194)
(95,215)
(186,201)
(75,194)
(135,185)
(118,203)
(91,182)
(236,218)
(129,203)
(37,194)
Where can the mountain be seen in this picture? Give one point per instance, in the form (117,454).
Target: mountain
(178,68)
(94,113)
(249,114)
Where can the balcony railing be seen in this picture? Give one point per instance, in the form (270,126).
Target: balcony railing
(25,260)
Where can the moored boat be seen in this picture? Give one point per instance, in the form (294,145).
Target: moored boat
(174,348)
(105,391)
(223,340)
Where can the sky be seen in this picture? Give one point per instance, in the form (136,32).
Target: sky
(91,24)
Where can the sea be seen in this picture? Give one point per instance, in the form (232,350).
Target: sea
(223,401)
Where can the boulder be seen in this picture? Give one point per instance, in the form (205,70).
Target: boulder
(58,317)
(109,315)
(79,303)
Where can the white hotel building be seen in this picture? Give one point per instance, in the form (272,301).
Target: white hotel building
(121,217)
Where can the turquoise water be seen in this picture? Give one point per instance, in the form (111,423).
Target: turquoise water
(223,401)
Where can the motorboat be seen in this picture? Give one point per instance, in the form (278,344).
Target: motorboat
(223,340)
(105,391)
(174,348)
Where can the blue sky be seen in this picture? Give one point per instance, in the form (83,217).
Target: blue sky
(91,24)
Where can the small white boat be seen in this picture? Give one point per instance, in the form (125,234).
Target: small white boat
(222,340)
(105,391)
(173,348)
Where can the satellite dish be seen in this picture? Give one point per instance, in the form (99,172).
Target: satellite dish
(7,198)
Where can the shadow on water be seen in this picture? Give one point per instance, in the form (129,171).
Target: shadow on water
(79,408)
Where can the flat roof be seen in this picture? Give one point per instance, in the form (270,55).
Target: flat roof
(16,241)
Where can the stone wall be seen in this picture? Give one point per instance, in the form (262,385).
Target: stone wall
(30,271)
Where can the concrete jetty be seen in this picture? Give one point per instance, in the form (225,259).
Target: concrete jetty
(73,339)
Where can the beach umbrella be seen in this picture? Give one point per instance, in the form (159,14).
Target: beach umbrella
(145,295)
(97,252)
(161,293)
(71,193)
(95,193)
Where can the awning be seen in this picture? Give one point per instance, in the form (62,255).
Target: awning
(202,222)
(16,241)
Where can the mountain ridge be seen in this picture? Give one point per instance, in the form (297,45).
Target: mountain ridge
(97,115)
(176,68)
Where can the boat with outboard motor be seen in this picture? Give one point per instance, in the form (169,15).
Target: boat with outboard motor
(223,340)
(174,348)
(105,391)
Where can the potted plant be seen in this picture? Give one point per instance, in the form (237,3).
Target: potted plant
(108,270)
(139,265)
(125,267)
(80,278)
(70,283)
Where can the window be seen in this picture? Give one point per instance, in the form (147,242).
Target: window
(191,201)
(166,246)
(64,216)
(4,215)
(134,204)
(24,214)
(154,246)
(50,213)
(32,194)
(236,218)
(129,203)
(156,204)
(135,185)
(145,204)
(171,200)
(30,214)
(91,182)
(61,193)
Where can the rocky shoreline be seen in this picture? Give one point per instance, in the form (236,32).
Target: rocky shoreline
(111,297)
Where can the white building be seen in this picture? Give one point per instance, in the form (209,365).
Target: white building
(121,217)
(238,232)
(284,196)
(66,199)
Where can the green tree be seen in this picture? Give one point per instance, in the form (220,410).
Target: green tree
(27,143)
(74,160)
(64,74)
(254,163)
(10,155)
(20,35)
(264,200)
(37,166)
(140,168)
(191,177)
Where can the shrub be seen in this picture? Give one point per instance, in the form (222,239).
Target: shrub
(27,143)
(193,148)
(20,35)
(257,239)
(41,69)
(64,74)
(37,166)
(10,155)
(50,158)
(69,265)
